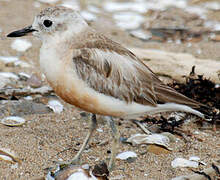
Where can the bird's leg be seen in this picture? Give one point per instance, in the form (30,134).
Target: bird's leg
(76,159)
(115,144)
(93,125)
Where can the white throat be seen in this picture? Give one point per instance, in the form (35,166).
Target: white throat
(54,47)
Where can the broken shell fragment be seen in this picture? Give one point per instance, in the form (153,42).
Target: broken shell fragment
(13,121)
(194,158)
(181,162)
(6,155)
(21,45)
(9,75)
(126,155)
(157,139)
(55,105)
(77,173)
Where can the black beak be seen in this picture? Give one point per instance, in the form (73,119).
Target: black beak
(22,32)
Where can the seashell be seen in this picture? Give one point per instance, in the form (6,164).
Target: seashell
(9,75)
(128,20)
(140,34)
(55,105)
(21,45)
(88,15)
(48,1)
(8,59)
(6,155)
(194,158)
(75,5)
(76,172)
(13,60)
(181,162)
(157,139)
(13,121)
(126,155)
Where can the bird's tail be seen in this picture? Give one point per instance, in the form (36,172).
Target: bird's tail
(179,102)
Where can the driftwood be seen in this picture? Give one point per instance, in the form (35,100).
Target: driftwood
(175,65)
(44,90)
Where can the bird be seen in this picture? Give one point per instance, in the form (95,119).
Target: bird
(98,75)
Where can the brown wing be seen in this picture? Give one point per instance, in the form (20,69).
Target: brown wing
(113,70)
(113,75)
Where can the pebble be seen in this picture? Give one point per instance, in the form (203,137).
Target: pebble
(34,81)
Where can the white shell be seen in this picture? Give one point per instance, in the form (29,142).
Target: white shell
(194,158)
(3,81)
(49,1)
(125,155)
(9,75)
(212,5)
(82,176)
(217,86)
(41,90)
(88,15)
(8,59)
(8,156)
(71,4)
(73,173)
(197,159)
(139,33)
(21,64)
(23,74)
(157,139)
(15,60)
(181,162)
(55,105)
(13,121)
(140,7)
(21,45)
(180,178)
(99,130)
(128,20)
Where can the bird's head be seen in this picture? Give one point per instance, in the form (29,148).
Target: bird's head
(53,22)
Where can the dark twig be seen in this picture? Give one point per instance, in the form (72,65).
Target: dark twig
(216,169)
(203,173)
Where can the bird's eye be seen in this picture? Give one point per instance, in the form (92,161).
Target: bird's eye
(47,23)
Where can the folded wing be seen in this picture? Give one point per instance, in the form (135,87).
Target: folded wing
(122,75)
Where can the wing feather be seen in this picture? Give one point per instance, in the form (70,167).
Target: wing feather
(110,69)
(113,74)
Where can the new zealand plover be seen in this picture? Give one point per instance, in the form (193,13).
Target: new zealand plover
(92,72)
